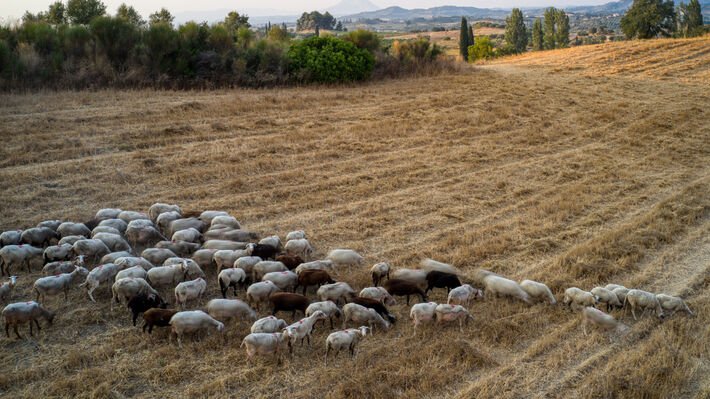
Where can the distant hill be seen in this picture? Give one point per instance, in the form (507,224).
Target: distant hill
(347,7)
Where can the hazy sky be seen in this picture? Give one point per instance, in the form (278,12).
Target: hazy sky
(15,8)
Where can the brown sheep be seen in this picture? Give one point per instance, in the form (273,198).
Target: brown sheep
(399,287)
(313,277)
(290,261)
(288,302)
(157,317)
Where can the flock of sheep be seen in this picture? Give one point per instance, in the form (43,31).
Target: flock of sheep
(105,251)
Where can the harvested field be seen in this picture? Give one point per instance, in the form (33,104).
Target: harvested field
(533,167)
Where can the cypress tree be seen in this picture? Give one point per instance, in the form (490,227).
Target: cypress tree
(464,39)
(549,29)
(562,29)
(471,40)
(516,36)
(537,37)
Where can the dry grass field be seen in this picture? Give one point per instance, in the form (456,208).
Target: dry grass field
(576,167)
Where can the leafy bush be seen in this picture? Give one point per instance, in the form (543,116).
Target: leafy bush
(364,39)
(117,38)
(481,50)
(330,60)
(417,51)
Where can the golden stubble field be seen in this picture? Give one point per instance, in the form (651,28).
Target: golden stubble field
(551,171)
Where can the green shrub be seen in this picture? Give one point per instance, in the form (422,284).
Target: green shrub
(482,50)
(364,39)
(329,60)
(117,38)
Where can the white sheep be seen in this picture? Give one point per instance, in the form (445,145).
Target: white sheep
(231,278)
(673,304)
(114,242)
(98,275)
(158,256)
(107,213)
(422,313)
(335,292)
(207,216)
(157,209)
(190,322)
(432,265)
(135,272)
(594,316)
(225,221)
(24,312)
(52,268)
(10,237)
(92,249)
(326,265)
(205,258)
(379,271)
(295,235)
(163,221)
(417,277)
(225,310)
(129,216)
(612,287)
(639,299)
(447,313)
(269,324)
(620,293)
(265,344)
(7,287)
(247,264)
(538,291)
(189,291)
(224,244)
(104,229)
(302,329)
(496,285)
(113,256)
(345,257)
(329,308)
(300,247)
(362,315)
(267,266)
(577,298)
(70,240)
(190,235)
(56,253)
(259,293)
(463,295)
(52,285)
(129,288)
(228,234)
(167,276)
(52,224)
(73,229)
(225,258)
(273,241)
(286,280)
(131,261)
(18,255)
(117,224)
(603,295)
(378,293)
(346,339)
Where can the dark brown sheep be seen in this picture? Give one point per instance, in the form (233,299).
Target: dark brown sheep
(141,303)
(437,279)
(399,287)
(288,302)
(157,317)
(290,261)
(313,277)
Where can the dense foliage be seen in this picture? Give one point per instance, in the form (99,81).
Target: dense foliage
(516,36)
(330,60)
(649,18)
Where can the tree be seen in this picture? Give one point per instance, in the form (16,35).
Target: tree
(128,13)
(515,33)
(279,34)
(549,29)
(162,16)
(233,21)
(117,38)
(471,39)
(81,12)
(315,20)
(690,18)
(481,50)
(464,40)
(57,13)
(161,41)
(339,26)
(561,29)
(537,36)
(649,18)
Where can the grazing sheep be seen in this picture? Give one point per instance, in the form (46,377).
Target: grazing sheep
(247,264)
(448,313)
(190,235)
(378,293)
(288,302)
(302,329)
(114,242)
(52,268)
(422,313)
(52,285)
(378,306)
(157,256)
(620,293)
(7,287)
(192,321)
(157,209)
(291,262)
(379,271)
(205,258)
(130,261)
(673,304)
(52,224)
(598,318)
(399,287)
(602,295)
(186,223)
(167,276)
(346,339)
(437,279)
(362,315)
(264,251)
(104,229)
(157,317)
(39,236)
(73,229)
(311,277)
(267,266)
(108,213)
(18,255)
(269,324)
(496,285)
(265,344)
(430,265)
(135,272)
(70,240)
(12,237)
(538,291)
(229,234)
(335,292)
(300,247)
(295,235)
(116,224)
(225,221)
(180,248)
(113,256)
(286,280)
(329,308)
(225,258)
(639,299)
(93,250)
(140,223)
(56,253)
(142,303)
(162,222)
(231,278)
(129,216)
(225,310)
(224,244)
(140,237)
(417,277)
(260,292)
(577,299)
(98,275)
(315,265)
(24,312)
(345,257)
(463,295)
(272,241)
(130,287)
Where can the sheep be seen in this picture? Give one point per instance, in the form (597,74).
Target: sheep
(129,216)
(18,255)
(639,299)
(224,244)
(598,318)
(11,237)
(225,221)
(130,261)
(311,277)
(130,287)
(52,285)
(190,290)
(268,324)
(315,265)
(288,302)
(157,209)
(538,291)
(135,272)
(205,258)
(73,229)
(302,329)
(437,279)
(378,306)
(398,287)
(295,235)
(378,293)
(25,312)
(114,242)
(496,285)
(362,315)
(620,293)
(107,213)
(140,237)
(56,253)
(225,258)
(462,295)
(231,278)
(267,266)
(157,256)
(417,277)
(602,295)
(673,304)
(190,235)
(260,292)
(346,339)
(142,303)
(379,271)
(247,264)
(93,250)
(97,276)
(52,224)
(104,229)
(345,257)
(286,280)
(335,292)
(422,313)
(186,223)
(52,268)
(157,317)
(116,224)
(171,275)
(162,222)
(291,262)
(70,240)
(229,234)
(39,236)
(272,241)
(7,287)
(225,310)
(449,313)
(180,248)
(300,247)
(264,251)
(329,308)
(113,256)
(430,265)
(265,344)
(576,298)
(190,322)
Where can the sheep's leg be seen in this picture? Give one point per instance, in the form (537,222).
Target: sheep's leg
(584,327)
(91,296)
(633,312)
(14,327)
(37,323)
(327,350)
(407,299)
(7,329)
(31,334)
(331,323)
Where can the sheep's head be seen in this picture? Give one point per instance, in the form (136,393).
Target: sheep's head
(364,330)
(220,326)
(13,281)
(250,248)
(319,315)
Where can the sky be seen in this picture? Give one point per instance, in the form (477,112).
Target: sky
(15,8)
